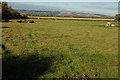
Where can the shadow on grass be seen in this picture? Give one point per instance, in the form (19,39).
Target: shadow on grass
(105,26)
(5,27)
(24,67)
(4,50)
(5,21)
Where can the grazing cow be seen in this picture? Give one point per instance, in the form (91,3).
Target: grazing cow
(25,21)
(113,25)
(19,21)
(109,24)
(28,21)
(32,21)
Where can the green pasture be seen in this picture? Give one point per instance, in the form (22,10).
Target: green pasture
(59,49)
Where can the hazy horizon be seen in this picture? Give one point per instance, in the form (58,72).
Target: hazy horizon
(104,8)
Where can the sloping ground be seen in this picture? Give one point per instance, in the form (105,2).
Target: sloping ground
(59,49)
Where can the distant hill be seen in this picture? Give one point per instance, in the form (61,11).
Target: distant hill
(62,14)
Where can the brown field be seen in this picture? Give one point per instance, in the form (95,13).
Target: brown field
(66,18)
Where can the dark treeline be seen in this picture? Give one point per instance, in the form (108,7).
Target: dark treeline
(9,13)
(117,17)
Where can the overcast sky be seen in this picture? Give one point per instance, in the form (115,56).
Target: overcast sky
(61,0)
(105,8)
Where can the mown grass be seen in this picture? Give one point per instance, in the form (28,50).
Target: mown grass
(75,47)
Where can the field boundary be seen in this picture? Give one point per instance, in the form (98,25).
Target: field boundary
(66,18)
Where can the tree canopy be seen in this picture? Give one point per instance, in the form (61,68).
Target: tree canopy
(117,17)
(9,13)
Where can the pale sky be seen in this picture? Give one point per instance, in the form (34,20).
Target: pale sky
(105,8)
(61,0)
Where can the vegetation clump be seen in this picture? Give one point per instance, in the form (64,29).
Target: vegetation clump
(9,13)
(117,17)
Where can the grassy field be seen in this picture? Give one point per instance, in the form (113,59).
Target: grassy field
(59,49)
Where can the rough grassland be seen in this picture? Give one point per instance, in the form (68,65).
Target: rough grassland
(70,47)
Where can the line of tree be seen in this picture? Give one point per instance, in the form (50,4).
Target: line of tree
(117,17)
(9,13)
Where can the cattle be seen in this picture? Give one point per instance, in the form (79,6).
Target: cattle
(109,24)
(26,21)
(30,21)
(113,25)
(19,21)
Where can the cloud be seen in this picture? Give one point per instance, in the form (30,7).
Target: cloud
(102,5)
(21,5)
(61,0)
(97,3)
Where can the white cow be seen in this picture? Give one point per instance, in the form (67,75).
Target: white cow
(110,24)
